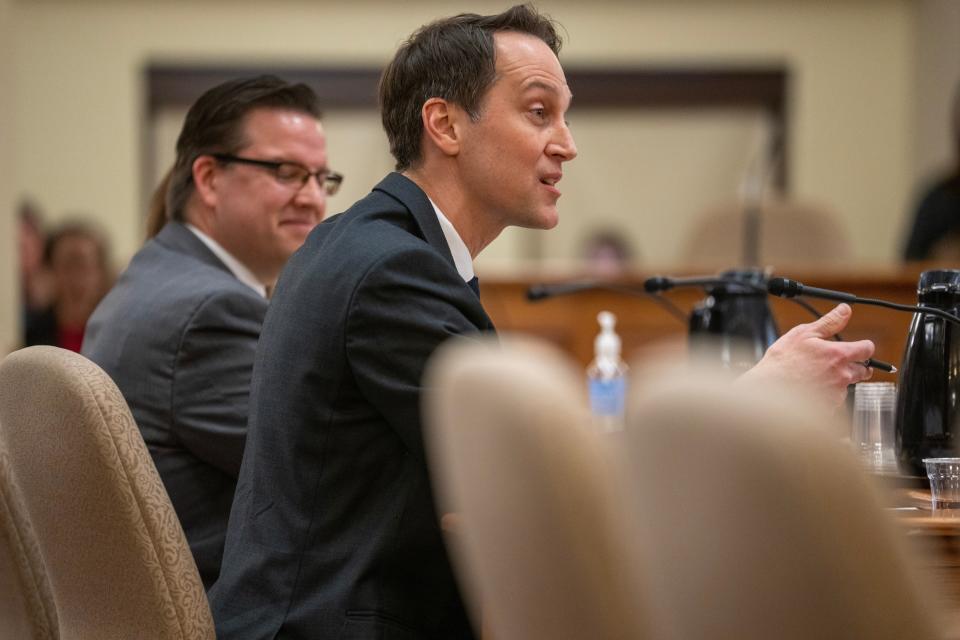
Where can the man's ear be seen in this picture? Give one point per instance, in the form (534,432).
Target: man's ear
(205,180)
(441,125)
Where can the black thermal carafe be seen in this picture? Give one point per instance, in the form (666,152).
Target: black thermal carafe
(929,392)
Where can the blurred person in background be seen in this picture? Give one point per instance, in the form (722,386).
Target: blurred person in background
(34,277)
(76,258)
(179,330)
(607,253)
(935,233)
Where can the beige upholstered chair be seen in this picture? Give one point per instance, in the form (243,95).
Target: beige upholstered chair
(115,554)
(760,523)
(541,541)
(26,602)
(792,233)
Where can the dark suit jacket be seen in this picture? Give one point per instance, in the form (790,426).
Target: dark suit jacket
(178,333)
(333,532)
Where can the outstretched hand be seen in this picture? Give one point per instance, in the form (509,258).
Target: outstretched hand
(807,355)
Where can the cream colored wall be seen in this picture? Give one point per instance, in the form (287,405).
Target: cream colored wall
(647,176)
(851,91)
(937,81)
(78,85)
(9,288)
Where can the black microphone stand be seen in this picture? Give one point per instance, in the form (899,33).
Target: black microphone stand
(734,321)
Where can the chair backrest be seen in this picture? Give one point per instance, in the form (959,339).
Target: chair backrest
(27,608)
(541,547)
(115,554)
(761,523)
(791,233)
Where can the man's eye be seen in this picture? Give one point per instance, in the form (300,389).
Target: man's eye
(290,173)
(540,113)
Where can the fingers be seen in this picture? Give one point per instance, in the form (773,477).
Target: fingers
(807,355)
(858,351)
(854,356)
(855,372)
(833,322)
(843,364)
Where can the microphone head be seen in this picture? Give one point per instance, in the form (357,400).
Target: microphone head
(537,292)
(544,291)
(657,284)
(784,287)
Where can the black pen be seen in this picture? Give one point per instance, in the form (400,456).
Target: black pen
(880,364)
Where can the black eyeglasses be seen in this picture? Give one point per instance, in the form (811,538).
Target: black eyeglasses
(290,173)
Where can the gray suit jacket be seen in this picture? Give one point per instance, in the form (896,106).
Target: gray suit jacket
(178,335)
(334,532)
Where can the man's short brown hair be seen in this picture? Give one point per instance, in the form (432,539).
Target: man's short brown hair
(453,59)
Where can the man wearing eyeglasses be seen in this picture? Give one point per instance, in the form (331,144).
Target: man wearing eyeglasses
(178,331)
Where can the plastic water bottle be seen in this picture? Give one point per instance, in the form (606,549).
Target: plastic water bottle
(607,377)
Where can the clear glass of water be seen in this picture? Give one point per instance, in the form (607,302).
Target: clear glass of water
(944,474)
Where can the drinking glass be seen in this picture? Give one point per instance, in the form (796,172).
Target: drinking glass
(872,434)
(944,474)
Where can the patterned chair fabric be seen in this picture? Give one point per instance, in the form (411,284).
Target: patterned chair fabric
(26,603)
(115,554)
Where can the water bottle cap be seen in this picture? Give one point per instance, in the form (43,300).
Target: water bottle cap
(606,346)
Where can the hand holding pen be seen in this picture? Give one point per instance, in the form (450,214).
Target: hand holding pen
(880,365)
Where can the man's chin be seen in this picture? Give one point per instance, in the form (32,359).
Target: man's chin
(302,228)
(539,223)
(548,220)
(296,232)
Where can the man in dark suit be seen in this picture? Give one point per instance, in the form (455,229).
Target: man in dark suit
(179,330)
(334,531)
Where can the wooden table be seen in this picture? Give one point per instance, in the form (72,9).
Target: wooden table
(936,536)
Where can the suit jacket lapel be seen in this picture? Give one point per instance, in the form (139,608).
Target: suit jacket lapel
(414,199)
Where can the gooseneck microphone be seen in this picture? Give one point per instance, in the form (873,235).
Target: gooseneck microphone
(544,291)
(657,284)
(539,292)
(786,288)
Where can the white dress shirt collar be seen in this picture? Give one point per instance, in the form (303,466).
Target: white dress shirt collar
(458,249)
(236,267)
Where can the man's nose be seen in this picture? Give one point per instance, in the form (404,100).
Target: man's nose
(563,145)
(312,194)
